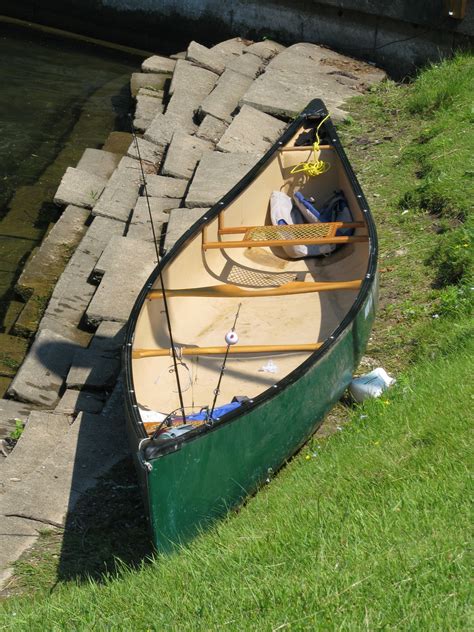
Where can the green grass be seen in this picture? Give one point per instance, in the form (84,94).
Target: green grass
(365,530)
(368,528)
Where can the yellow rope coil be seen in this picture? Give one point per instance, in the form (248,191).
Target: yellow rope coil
(313,167)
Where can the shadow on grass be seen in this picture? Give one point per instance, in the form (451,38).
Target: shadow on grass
(108,525)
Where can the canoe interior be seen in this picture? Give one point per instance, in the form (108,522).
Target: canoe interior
(286,319)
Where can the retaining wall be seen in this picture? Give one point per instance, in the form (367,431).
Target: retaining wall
(398,35)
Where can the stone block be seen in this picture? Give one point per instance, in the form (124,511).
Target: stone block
(165,187)
(150,80)
(216,174)
(73,402)
(183,155)
(140,226)
(189,79)
(99,162)
(79,188)
(151,154)
(47,263)
(224,99)
(189,87)
(211,129)
(123,280)
(231,48)
(267,49)
(212,60)
(42,432)
(119,196)
(42,374)
(149,104)
(251,131)
(306,71)
(92,370)
(159,64)
(180,220)
(109,337)
(248,65)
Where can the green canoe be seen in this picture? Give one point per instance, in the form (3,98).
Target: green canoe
(302,323)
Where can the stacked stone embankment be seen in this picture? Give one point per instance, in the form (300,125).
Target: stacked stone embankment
(204,119)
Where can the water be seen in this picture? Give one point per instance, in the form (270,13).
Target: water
(57,98)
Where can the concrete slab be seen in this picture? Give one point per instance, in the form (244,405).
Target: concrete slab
(79,188)
(119,196)
(189,79)
(211,129)
(183,155)
(179,221)
(108,337)
(189,87)
(122,282)
(151,80)
(150,154)
(232,47)
(165,187)
(10,410)
(216,174)
(251,131)
(99,162)
(140,225)
(42,432)
(266,49)
(200,55)
(45,266)
(73,402)
(224,99)
(306,71)
(159,64)
(148,105)
(248,65)
(92,370)
(72,292)
(42,374)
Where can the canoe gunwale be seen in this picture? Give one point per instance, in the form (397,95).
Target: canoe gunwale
(315,110)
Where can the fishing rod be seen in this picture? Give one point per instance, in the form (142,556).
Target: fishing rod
(162,283)
(231,338)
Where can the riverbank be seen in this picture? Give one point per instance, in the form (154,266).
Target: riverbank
(416,319)
(52,107)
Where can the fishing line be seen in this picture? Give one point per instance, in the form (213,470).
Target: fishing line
(165,301)
(231,338)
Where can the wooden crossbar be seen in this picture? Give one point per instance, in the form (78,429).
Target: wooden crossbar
(236,350)
(212,245)
(237,230)
(230,291)
(304,148)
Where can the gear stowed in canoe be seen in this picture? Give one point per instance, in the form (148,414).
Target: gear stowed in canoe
(286,260)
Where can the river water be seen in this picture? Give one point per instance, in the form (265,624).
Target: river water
(58,97)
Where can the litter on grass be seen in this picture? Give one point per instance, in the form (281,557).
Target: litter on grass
(371,384)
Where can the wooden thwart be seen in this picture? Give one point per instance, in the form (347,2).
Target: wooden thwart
(210,245)
(227,290)
(237,230)
(236,350)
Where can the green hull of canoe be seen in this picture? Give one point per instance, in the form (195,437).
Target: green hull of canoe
(206,477)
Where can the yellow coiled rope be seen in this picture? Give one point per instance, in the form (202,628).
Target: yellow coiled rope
(313,167)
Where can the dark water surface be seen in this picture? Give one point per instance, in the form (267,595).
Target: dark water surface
(57,97)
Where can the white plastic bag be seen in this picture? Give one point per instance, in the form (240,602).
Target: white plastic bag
(371,384)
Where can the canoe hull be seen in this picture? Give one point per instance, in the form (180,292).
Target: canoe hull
(199,478)
(205,478)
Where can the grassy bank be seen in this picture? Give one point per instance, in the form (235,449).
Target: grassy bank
(366,529)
